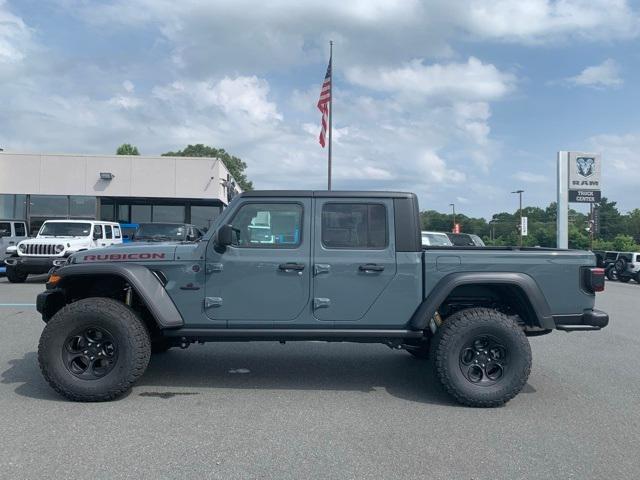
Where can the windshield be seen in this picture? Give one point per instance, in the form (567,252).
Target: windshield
(161,231)
(435,240)
(461,240)
(64,229)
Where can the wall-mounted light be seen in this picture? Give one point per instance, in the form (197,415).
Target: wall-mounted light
(106,176)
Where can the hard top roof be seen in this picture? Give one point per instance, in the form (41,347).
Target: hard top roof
(325,193)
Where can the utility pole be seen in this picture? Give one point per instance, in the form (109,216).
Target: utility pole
(520,192)
(592,225)
(453,207)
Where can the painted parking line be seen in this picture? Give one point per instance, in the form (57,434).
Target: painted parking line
(17,304)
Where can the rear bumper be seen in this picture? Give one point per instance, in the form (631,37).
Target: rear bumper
(33,265)
(588,320)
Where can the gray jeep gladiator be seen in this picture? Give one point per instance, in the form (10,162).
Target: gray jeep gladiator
(304,265)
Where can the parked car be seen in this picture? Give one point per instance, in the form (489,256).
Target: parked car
(56,240)
(332,266)
(625,267)
(167,232)
(465,240)
(128,231)
(11,232)
(435,239)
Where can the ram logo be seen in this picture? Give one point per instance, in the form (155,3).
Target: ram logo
(586,166)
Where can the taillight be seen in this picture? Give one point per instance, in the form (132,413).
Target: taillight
(594,279)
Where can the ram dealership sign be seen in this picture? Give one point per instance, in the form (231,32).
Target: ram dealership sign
(584,177)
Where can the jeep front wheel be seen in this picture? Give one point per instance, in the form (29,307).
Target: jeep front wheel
(16,276)
(482,357)
(93,350)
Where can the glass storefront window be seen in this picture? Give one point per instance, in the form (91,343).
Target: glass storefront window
(123,214)
(168,213)
(140,213)
(7,206)
(13,207)
(83,207)
(202,216)
(49,205)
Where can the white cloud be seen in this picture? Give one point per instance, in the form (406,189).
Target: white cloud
(126,102)
(128,86)
(247,95)
(15,37)
(530,177)
(472,80)
(435,168)
(606,74)
(545,21)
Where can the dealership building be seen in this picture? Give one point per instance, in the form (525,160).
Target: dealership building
(122,188)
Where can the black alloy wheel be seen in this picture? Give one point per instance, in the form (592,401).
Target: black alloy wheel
(90,353)
(484,360)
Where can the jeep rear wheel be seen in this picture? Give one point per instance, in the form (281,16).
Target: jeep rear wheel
(611,273)
(93,350)
(482,357)
(16,276)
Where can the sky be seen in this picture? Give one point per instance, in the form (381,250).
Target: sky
(461,102)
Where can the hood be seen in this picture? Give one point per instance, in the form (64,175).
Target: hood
(55,240)
(128,252)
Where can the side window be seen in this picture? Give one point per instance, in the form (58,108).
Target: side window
(97,231)
(21,229)
(116,232)
(354,225)
(5,229)
(268,225)
(108,231)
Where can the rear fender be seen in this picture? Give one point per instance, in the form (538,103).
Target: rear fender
(439,294)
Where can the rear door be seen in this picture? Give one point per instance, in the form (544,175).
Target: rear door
(354,256)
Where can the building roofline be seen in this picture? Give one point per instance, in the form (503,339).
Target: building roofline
(325,194)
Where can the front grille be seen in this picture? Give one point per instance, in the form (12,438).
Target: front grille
(40,249)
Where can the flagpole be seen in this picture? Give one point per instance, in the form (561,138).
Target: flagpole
(330,111)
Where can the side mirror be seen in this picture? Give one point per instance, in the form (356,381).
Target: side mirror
(224,235)
(191,238)
(97,236)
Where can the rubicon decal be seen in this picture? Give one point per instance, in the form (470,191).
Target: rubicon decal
(123,257)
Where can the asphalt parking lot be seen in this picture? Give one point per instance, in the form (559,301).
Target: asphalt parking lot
(315,410)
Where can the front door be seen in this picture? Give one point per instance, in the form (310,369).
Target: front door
(265,276)
(354,256)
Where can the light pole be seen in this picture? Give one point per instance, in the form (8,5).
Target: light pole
(520,192)
(453,207)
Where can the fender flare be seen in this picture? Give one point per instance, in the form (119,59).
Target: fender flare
(143,281)
(447,284)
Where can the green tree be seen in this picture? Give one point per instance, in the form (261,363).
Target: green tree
(127,149)
(235,165)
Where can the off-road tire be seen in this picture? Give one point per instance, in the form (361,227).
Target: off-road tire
(131,337)
(449,344)
(611,273)
(16,276)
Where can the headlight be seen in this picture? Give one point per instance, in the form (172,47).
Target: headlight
(59,248)
(22,247)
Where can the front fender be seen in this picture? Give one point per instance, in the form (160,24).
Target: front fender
(141,279)
(438,295)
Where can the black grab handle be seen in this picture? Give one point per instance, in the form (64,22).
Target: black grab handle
(287,267)
(371,267)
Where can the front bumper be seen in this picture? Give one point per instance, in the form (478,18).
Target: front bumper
(590,319)
(32,265)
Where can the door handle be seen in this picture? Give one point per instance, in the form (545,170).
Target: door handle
(291,267)
(371,267)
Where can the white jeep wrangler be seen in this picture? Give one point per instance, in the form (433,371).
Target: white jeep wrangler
(56,240)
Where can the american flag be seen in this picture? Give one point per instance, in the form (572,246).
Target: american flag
(323,104)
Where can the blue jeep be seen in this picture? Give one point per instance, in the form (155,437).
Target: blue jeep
(304,265)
